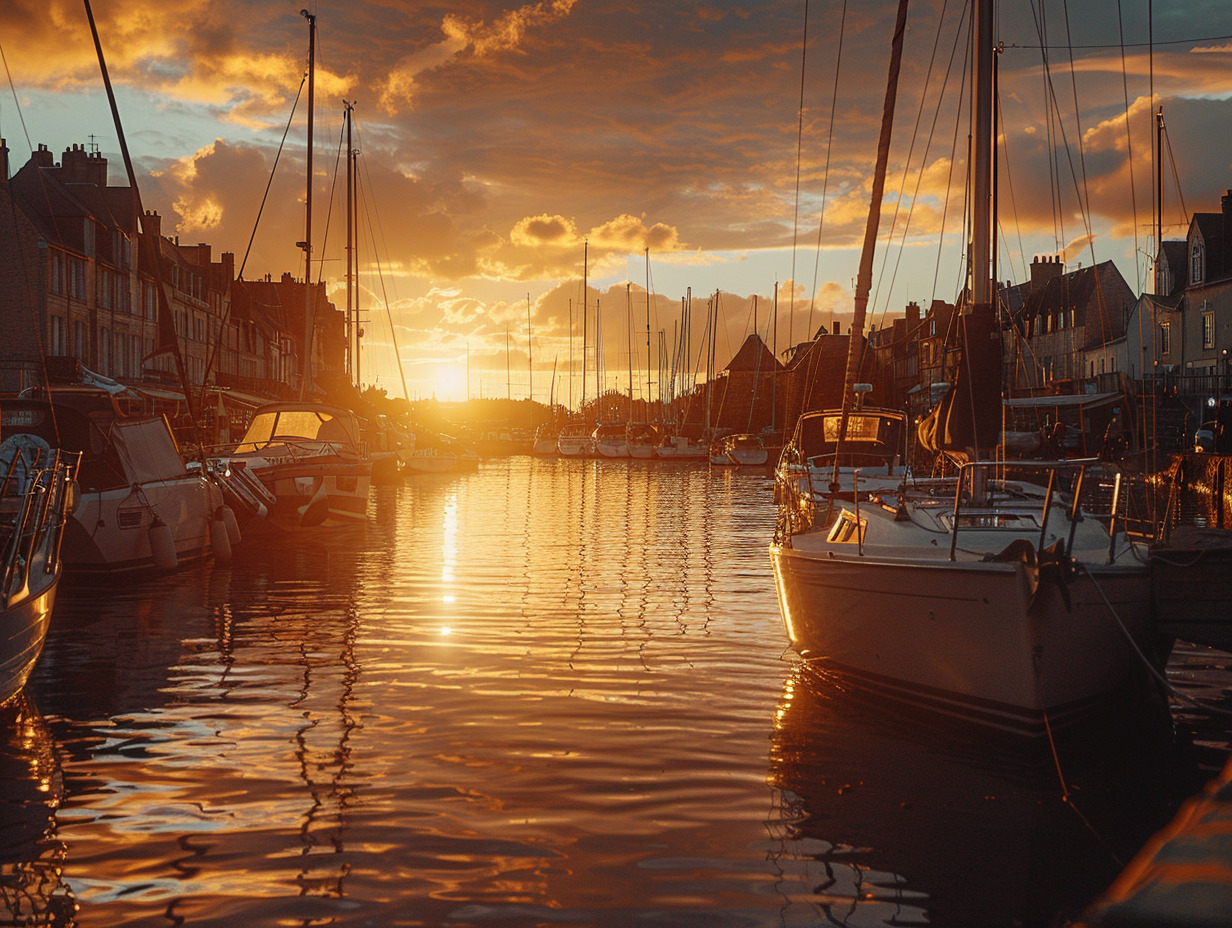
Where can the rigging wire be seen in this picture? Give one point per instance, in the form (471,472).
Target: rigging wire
(885,256)
(1129,145)
(825,181)
(239,275)
(795,222)
(380,277)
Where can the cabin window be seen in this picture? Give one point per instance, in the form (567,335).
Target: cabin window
(1208,330)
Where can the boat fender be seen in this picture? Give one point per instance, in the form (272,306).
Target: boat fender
(220,542)
(227,514)
(162,545)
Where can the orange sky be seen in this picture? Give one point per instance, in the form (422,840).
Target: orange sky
(496,137)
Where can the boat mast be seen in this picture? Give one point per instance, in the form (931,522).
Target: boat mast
(629,336)
(530,359)
(980,257)
(649,387)
(306,244)
(774,371)
(168,338)
(864,282)
(585,246)
(352,355)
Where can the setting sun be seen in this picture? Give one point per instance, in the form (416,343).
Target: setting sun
(448,382)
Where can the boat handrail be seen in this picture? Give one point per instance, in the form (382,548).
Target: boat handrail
(973,470)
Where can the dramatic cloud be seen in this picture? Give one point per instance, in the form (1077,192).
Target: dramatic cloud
(496,138)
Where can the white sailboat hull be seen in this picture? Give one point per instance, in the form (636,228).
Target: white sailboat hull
(988,642)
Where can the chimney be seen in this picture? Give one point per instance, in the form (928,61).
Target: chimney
(228,267)
(96,169)
(203,255)
(42,157)
(74,168)
(838,327)
(1044,269)
(152,223)
(913,316)
(1225,203)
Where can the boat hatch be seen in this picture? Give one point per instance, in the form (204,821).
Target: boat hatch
(847,529)
(1021,521)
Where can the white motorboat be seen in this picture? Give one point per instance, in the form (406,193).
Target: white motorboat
(139,506)
(310,458)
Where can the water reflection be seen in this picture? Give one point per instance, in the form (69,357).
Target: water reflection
(31,853)
(883,822)
(544,692)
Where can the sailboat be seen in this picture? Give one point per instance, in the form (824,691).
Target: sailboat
(37,492)
(309,455)
(998,597)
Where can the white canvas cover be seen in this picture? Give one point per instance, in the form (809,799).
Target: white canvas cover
(146,450)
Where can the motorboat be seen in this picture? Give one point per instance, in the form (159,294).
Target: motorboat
(310,457)
(140,506)
(37,492)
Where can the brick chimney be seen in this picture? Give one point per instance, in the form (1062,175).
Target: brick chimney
(1225,204)
(1044,269)
(838,327)
(79,166)
(913,316)
(228,267)
(203,255)
(42,157)
(152,223)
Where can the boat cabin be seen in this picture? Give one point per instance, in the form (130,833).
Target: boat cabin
(874,436)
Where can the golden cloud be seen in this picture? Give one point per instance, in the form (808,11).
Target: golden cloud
(544,230)
(461,35)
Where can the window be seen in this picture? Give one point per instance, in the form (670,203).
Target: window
(1165,338)
(57,335)
(1197,263)
(79,340)
(56,273)
(1208,330)
(77,279)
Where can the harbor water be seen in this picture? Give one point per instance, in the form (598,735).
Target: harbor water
(546,692)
